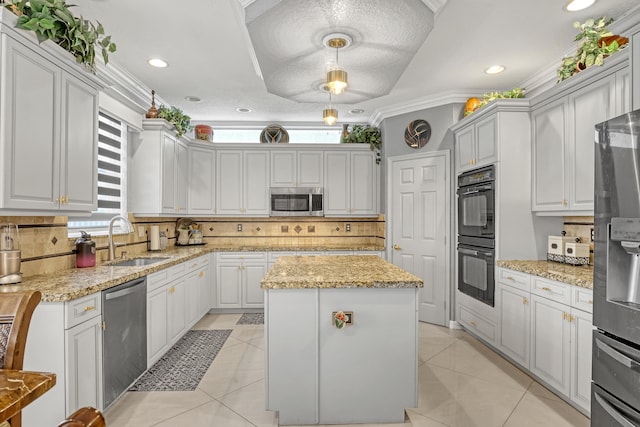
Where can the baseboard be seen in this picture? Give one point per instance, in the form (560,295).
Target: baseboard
(454,325)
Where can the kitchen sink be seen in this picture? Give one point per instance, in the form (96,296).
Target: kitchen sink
(138,262)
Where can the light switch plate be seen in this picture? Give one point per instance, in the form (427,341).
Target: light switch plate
(140,229)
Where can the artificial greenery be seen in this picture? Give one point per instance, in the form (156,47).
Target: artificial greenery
(361,134)
(177,118)
(516,92)
(591,50)
(52,20)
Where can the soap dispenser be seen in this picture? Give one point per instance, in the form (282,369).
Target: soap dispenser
(85,251)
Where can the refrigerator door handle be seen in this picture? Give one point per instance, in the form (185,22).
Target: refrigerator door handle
(617,356)
(613,412)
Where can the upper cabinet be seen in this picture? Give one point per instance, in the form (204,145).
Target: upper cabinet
(351,184)
(296,168)
(562,123)
(49,134)
(242,182)
(635,83)
(159,174)
(202,178)
(476,144)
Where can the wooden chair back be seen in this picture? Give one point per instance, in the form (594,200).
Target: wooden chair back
(85,417)
(16,309)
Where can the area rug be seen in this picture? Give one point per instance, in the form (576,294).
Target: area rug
(184,365)
(251,319)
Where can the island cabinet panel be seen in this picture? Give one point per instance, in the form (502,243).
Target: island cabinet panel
(365,372)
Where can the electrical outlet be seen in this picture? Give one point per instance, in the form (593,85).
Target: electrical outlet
(347,227)
(592,234)
(239,227)
(140,230)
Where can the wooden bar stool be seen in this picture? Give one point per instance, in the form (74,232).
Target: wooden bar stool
(85,417)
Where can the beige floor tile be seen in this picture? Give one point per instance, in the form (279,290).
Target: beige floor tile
(212,414)
(419,420)
(233,368)
(430,347)
(427,330)
(250,402)
(469,356)
(539,390)
(217,321)
(142,409)
(248,333)
(457,399)
(535,411)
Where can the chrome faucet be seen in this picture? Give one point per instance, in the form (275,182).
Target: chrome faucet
(112,246)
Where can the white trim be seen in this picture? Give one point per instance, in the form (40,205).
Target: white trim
(454,325)
(423,103)
(239,8)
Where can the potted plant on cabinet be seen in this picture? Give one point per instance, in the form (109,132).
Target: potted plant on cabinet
(361,134)
(177,118)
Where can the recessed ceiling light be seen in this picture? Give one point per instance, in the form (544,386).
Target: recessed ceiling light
(156,62)
(575,5)
(243,110)
(356,111)
(494,69)
(193,98)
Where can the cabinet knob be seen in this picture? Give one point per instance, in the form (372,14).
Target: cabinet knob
(510,278)
(397,247)
(590,301)
(201,274)
(564,316)
(571,318)
(172,289)
(473,323)
(525,300)
(66,199)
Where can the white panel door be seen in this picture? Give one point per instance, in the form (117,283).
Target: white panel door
(84,365)
(514,323)
(337,197)
(420,223)
(168,174)
(310,173)
(202,181)
(252,293)
(229,172)
(283,168)
(256,183)
(581,347)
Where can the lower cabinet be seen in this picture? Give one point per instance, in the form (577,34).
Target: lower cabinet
(238,277)
(547,330)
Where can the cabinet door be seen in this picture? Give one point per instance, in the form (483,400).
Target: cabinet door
(229,179)
(79,154)
(549,153)
(192,285)
(486,141)
(337,177)
(30,129)
(590,105)
(364,184)
(256,183)
(635,65)
(310,171)
(252,293)
(177,308)
(283,168)
(182,177)
(205,290)
(581,337)
(168,174)
(550,343)
(465,150)
(202,181)
(84,365)
(514,322)
(228,285)
(623,91)
(157,325)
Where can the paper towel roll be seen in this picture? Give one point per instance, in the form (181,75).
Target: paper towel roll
(154,238)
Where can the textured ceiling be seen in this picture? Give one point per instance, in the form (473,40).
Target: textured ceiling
(287,38)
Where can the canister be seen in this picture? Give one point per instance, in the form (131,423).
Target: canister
(556,247)
(576,253)
(85,251)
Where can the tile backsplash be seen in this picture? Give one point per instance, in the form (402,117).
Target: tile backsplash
(46,247)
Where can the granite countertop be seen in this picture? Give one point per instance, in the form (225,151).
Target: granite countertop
(74,283)
(335,271)
(574,275)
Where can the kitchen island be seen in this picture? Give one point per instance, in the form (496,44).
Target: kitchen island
(320,370)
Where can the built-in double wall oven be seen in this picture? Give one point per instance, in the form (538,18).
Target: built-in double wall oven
(476,234)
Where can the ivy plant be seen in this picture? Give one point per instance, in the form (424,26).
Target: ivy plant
(365,134)
(177,118)
(53,20)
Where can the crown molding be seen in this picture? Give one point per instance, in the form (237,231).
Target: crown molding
(435,5)
(239,9)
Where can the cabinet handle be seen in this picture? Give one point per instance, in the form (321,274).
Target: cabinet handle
(525,300)
(201,274)
(546,289)
(397,247)
(564,202)
(571,318)
(590,301)
(473,323)
(510,278)
(66,199)
(90,307)
(172,290)
(58,200)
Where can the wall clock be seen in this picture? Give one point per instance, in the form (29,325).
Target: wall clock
(274,134)
(417,133)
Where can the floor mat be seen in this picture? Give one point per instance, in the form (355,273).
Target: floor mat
(251,319)
(184,365)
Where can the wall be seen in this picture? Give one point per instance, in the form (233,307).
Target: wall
(46,248)
(581,227)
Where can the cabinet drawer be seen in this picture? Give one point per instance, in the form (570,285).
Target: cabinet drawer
(241,256)
(196,263)
(81,309)
(582,299)
(555,291)
(273,256)
(478,324)
(515,279)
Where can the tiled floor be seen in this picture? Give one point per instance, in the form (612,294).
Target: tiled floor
(461,383)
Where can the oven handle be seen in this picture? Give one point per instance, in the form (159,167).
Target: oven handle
(627,362)
(466,193)
(613,412)
(474,253)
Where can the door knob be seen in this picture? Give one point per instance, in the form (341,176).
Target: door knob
(396,247)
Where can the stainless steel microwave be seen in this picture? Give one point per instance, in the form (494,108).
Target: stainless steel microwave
(296,201)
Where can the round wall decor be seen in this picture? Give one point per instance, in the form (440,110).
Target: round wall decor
(274,134)
(417,133)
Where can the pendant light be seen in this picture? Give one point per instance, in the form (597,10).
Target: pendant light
(330,114)
(337,76)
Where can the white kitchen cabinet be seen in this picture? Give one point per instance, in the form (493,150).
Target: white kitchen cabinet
(177,308)
(477,317)
(61,127)
(159,171)
(157,325)
(635,65)
(202,166)
(581,348)
(351,183)
(476,144)
(514,325)
(238,277)
(296,168)
(563,123)
(197,289)
(242,182)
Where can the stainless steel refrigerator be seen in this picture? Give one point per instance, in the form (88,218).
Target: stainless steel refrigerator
(615,391)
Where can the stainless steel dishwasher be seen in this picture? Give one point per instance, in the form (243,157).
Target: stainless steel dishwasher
(124,339)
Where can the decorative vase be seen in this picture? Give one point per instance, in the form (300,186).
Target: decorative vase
(204,132)
(345,131)
(152,113)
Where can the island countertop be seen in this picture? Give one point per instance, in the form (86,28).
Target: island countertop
(337,271)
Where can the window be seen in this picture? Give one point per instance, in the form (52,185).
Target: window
(112,172)
(296,136)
